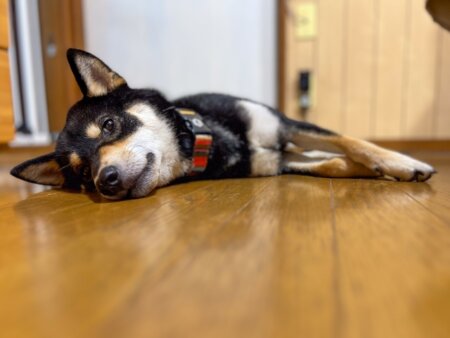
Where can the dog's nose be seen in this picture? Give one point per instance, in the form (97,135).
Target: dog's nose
(109,181)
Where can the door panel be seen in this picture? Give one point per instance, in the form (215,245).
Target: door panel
(61,28)
(358,78)
(390,70)
(442,118)
(421,91)
(6,112)
(326,110)
(381,68)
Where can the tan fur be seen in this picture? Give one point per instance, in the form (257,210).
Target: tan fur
(45,173)
(154,137)
(379,160)
(334,167)
(98,78)
(112,154)
(75,160)
(311,141)
(384,161)
(93,131)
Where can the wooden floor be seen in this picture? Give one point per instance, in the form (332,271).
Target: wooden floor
(274,257)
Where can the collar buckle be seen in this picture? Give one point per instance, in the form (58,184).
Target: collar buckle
(203,140)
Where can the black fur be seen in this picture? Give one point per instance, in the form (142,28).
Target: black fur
(230,154)
(228,127)
(17,170)
(231,120)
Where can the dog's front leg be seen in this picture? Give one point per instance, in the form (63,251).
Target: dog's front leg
(385,162)
(379,160)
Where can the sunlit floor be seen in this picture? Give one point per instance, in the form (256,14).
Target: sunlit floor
(286,256)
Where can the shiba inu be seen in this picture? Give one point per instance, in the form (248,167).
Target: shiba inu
(125,142)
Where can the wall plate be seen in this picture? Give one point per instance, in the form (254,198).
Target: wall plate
(306,20)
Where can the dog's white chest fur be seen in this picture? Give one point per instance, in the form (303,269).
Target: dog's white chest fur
(262,135)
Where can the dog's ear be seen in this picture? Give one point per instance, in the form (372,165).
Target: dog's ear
(93,76)
(440,11)
(42,170)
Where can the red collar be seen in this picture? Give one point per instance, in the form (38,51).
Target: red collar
(202,143)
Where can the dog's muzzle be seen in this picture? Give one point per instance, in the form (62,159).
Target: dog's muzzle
(110,183)
(115,183)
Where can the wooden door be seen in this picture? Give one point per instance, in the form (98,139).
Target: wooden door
(61,28)
(6,108)
(380,68)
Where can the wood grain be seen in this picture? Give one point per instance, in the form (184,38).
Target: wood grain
(381,69)
(6,110)
(61,26)
(421,86)
(358,79)
(4,30)
(331,65)
(281,55)
(390,69)
(286,256)
(442,117)
(294,65)
(415,146)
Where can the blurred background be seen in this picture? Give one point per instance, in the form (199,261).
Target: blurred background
(376,69)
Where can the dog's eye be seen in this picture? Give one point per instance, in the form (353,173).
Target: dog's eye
(108,126)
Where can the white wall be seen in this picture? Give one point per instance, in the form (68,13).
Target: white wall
(188,46)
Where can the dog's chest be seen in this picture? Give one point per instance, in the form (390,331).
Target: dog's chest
(246,138)
(252,149)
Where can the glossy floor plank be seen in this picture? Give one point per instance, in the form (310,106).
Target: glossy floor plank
(285,256)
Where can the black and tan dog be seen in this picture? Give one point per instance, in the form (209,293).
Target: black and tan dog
(126,142)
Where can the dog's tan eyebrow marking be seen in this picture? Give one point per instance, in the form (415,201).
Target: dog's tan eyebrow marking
(93,131)
(75,159)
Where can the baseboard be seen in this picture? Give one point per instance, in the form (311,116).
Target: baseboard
(417,145)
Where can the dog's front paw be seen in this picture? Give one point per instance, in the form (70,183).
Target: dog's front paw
(402,167)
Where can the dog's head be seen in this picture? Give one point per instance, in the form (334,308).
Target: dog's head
(120,141)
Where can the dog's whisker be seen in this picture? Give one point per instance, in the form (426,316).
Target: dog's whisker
(64,167)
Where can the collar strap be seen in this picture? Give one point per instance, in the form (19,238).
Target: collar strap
(203,140)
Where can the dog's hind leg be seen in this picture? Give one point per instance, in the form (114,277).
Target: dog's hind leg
(339,166)
(381,161)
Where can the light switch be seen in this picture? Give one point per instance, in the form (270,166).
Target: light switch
(306,20)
